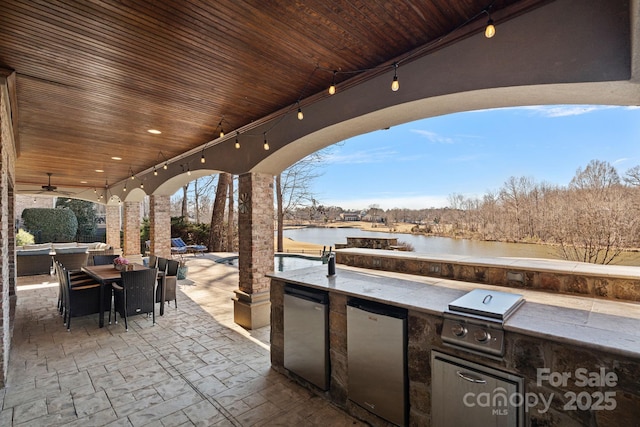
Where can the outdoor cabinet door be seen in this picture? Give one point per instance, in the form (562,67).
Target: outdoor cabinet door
(463,396)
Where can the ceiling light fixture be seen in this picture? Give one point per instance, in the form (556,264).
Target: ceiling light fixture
(395,84)
(202,159)
(116,158)
(155,171)
(266,144)
(237,142)
(154,131)
(300,115)
(332,88)
(490,29)
(125,187)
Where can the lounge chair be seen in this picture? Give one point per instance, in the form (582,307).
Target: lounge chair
(178,246)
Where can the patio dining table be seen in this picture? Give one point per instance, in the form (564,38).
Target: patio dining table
(106,275)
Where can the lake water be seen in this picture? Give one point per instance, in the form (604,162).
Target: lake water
(440,245)
(282,262)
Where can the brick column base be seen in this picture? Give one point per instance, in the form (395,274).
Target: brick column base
(251,306)
(160,225)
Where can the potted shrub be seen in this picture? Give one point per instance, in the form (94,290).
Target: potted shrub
(182,270)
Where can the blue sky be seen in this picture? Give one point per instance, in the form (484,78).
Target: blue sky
(420,164)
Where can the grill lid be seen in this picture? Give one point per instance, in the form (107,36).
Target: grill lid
(487,303)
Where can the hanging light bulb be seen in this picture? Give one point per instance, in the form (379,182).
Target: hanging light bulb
(221,132)
(155,171)
(395,84)
(266,144)
(165,167)
(188,171)
(125,187)
(133,177)
(490,31)
(237,142)
(300,115)
(332,88)
(142,185)
(202,159)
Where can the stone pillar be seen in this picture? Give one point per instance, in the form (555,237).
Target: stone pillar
(131,225)
(113,226)
(7,232)
(252,308)
(160,225)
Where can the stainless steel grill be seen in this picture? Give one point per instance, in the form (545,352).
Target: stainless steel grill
(474,322)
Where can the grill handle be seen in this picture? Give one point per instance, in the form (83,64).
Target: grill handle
(471,378)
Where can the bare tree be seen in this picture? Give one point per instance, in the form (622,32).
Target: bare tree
(217,231)
(230,218)
(293,188)
(185,190)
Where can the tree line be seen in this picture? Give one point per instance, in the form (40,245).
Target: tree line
(592,219)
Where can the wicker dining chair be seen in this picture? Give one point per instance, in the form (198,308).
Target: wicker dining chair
(79,297)
(168,282)
(136,295)
(104,259)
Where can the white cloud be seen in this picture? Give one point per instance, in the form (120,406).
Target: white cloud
(564,110)
(375,155)
(434,137)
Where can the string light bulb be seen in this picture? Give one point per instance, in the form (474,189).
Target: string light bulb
(125,187)
(332,88)
(490,30)
(188,171)
(202,159)
(266,144)
(221,131)
(300,115)
(237,142)
(142,185)
(155,171)
(166,166)
(395,84)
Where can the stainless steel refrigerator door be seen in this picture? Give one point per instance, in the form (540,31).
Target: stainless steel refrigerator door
(306,350)
(465,394)
(376,363)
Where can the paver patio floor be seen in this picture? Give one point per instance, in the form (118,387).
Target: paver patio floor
(195,367)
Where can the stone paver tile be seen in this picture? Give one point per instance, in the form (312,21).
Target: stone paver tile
(6,417)
(176,419)
(74,381)
(12,399)
(126,408)
(210,386)
(120,422)
(173,387)
(263,412)
(29,411)
(160,410)
(203,414)
(99,418)
(91,404)
(108,380)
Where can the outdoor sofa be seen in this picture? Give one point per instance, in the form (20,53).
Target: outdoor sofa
(38,258)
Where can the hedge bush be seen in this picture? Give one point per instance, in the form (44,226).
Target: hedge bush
(50,225)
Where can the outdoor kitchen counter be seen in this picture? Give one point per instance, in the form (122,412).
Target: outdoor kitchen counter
(605,325)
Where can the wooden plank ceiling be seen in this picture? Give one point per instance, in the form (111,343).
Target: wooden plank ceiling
(93,76)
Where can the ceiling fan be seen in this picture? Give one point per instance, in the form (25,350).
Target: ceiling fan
(49,188)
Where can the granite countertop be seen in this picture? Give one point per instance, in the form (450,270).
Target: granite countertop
(605,325)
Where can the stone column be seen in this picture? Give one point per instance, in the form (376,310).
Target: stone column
(7,220)
(131,225)
(113,225)
(160,225)
(255,231)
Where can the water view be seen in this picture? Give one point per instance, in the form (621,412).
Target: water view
(440,245)
(282,262)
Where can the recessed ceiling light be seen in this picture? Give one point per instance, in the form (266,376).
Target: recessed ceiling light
(99,170)
(116,158)
(83,182)
(154,131)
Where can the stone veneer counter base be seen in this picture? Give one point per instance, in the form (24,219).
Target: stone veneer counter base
(605,325)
